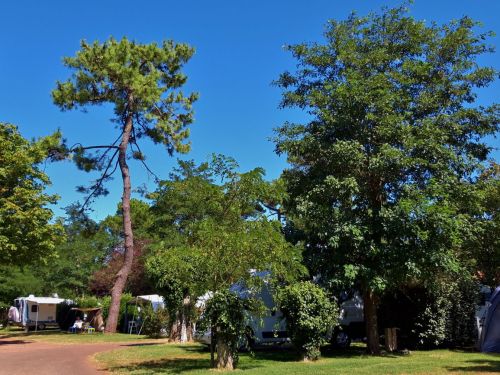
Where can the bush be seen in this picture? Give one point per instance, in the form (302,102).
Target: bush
(309,315)
(155,323)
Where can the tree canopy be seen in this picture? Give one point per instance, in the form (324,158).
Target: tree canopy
(27,234)
(394,142)
(222,234)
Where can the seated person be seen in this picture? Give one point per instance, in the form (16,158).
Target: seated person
(78,324)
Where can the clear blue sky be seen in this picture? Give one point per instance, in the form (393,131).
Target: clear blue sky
(238,54)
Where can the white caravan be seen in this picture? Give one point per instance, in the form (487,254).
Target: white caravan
(35,312)
(267,329)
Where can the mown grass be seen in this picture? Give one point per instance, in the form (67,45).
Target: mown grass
(69,338)
(194,359)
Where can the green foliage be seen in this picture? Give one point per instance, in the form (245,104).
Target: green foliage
(309,315)
(210,235)
(27,235)
(449,315)
(85,250)
(155,323)
(16,282)
(139,79)
(383,180)
(438,314)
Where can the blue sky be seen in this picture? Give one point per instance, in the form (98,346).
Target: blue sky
(239,52)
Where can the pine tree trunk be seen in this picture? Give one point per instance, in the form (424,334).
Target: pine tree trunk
(121,277)
(225,359)
(370,301)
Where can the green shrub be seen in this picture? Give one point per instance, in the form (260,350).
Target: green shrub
(309,315)
(155,323)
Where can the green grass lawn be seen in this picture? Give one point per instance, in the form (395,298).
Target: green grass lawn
(69,338)
(194,359)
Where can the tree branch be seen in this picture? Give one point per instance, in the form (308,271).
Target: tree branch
(101,180)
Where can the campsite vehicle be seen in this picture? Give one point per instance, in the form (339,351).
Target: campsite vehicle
(351,321)
(482,309)
(266,330)
(35,312)
(489,341)
(133,324)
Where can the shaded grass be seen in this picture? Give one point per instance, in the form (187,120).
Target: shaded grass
(193,359)
(56,336)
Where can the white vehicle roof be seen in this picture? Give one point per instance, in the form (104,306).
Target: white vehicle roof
(154,298)
(44,300)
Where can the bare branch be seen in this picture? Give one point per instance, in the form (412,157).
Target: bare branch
(101,180)
(134,142)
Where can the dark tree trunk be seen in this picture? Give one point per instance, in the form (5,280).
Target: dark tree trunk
(370,301)
(121,277)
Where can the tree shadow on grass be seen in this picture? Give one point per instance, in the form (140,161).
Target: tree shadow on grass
(170,366)
(479,365)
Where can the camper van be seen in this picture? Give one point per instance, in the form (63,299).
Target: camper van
(266,330)
(35,312)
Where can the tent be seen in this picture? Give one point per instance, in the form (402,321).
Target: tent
(135,324)
(93,316)
(490,334)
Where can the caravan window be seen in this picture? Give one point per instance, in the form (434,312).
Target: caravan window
(34,308)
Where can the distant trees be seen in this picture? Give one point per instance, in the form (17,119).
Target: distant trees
(27,234)
(393,147)
(142,82)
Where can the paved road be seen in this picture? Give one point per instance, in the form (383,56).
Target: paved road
(22,357)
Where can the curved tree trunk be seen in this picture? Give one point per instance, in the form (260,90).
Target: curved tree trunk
(370,301)
(121,277)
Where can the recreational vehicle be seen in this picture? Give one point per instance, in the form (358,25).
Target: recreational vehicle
(35,312)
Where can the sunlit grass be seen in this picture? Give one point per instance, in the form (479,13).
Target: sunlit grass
(70,338)
(193,359)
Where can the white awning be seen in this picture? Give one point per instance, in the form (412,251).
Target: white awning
(153,298)
(45,300)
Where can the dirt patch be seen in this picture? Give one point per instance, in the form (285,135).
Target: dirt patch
(20,357)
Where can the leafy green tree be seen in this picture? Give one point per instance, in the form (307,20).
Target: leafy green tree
(26,232)
(310,316)
(82,253)
(484,249)
(213,230)
(142,82)
(394,140)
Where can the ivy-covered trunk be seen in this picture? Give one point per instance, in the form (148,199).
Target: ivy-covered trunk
(121,277)
(225,355)
(370,301)
(185,321)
